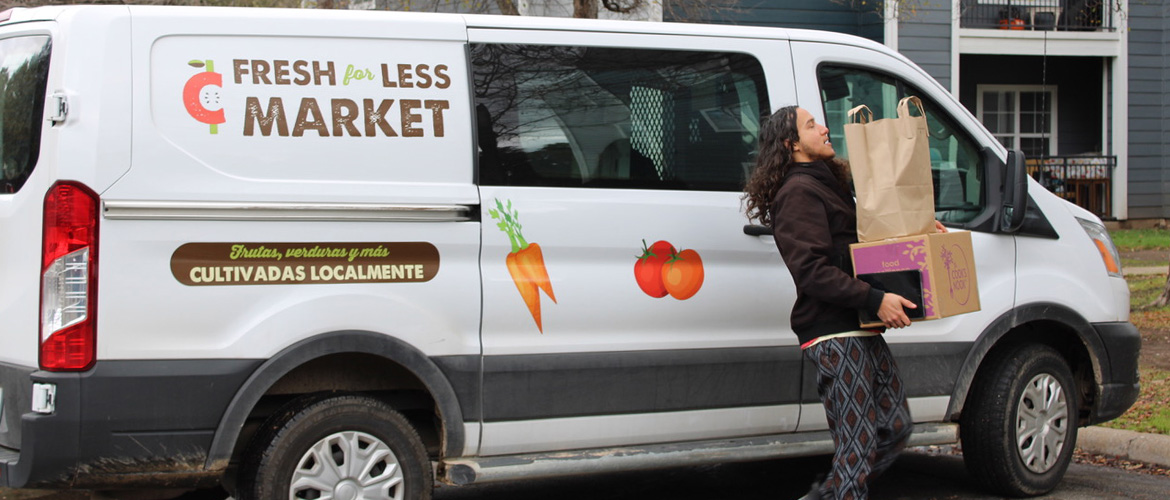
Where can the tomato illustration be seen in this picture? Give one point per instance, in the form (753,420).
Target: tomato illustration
(648,269)
(201,92)
(682,275)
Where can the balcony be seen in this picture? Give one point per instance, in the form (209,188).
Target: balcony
(1038,15)
(1084,180)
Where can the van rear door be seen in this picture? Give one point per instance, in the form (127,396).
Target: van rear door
(24,75)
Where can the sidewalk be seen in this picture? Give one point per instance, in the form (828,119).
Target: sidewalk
(1144,270)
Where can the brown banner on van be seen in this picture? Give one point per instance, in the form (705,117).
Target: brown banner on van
(222,264)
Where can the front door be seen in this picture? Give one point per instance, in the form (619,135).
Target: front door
(929,354)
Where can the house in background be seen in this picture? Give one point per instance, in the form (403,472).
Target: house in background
(1076,84)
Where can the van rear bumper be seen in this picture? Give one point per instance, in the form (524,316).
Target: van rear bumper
(121,424)
(1120,387)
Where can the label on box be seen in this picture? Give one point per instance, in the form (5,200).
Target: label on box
(958,280)
(945,260)
(902,255)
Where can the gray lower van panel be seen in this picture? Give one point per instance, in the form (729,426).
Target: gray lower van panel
(1122,342)
(560,385)
(927,369)
(15,399)
(930,369)
(539,386)
(123,418)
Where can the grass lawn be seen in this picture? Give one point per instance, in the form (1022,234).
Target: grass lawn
(1151,412)
(1143,289)
(1142,247)
(1129,240)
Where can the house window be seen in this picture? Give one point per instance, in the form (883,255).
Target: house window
(1021,117)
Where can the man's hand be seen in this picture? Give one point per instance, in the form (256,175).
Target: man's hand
(891,312)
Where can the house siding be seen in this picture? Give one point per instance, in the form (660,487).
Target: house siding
(1149,110)
(925,38)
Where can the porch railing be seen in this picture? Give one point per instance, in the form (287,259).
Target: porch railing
(1063,15)
(1084,180)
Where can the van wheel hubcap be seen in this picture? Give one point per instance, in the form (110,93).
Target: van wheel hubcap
(348,466)
(1042,422)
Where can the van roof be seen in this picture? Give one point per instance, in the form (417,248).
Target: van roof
(648,27)
(482,21)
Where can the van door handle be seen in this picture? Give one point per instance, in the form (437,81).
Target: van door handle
(756,230)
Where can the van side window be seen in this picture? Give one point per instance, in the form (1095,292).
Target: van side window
(954,158)
(24,72)
(615,117)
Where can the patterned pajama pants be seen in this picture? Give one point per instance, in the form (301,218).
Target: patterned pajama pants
(866,407)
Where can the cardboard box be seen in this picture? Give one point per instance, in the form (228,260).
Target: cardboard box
(945,261)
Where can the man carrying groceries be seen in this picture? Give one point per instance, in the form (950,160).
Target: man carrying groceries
(801,191)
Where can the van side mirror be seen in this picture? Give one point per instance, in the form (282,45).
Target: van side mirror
(1015,192)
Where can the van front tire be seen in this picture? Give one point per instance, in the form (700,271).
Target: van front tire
(345,446)
(1019,425)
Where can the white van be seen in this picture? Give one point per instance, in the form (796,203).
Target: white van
(244,246)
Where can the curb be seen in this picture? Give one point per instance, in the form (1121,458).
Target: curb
(1142,447)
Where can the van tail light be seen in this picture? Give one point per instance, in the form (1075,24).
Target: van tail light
(1105,246)
(69,278)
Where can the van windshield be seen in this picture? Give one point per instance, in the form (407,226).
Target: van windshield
(24,72)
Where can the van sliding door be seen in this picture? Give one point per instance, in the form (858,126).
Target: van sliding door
(602,167)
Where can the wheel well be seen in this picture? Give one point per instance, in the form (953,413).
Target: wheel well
(356,373)
(1058,336)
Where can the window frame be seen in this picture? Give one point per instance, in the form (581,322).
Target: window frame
(964,134)
(36,123)
(756,74)
(1017,135)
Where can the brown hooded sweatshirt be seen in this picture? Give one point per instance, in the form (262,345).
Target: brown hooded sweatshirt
(814,220)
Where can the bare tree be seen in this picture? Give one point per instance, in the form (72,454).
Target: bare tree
(1162,300)
(585,9)
(508,7)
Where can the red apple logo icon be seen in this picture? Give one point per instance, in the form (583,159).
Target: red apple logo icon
(201,95)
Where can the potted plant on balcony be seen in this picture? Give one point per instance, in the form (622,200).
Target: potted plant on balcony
(1011,18)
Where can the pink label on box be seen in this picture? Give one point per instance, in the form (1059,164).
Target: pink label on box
(900,256)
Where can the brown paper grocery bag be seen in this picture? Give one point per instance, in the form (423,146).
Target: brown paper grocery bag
(890,161)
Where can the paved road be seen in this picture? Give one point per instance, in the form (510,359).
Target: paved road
(916,476)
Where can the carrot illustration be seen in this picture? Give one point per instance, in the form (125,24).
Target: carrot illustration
(525,262)
(531,262)
(528,290)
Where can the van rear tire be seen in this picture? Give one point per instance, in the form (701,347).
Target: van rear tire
(345,446)
(1019,426)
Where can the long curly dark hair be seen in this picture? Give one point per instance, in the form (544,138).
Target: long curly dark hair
(777,135)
